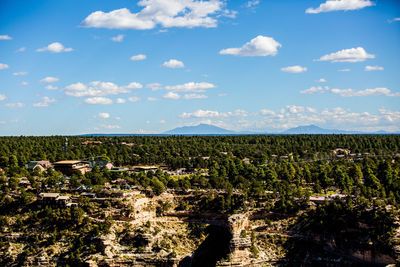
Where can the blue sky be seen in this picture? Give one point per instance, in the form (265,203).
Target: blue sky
(72,67)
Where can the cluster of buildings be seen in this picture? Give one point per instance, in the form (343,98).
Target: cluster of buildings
(68,167)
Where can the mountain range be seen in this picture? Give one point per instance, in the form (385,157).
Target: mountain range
(207,129)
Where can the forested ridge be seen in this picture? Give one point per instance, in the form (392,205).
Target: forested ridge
(223,174)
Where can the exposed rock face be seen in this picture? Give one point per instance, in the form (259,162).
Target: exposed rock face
(237,223)
(239,246)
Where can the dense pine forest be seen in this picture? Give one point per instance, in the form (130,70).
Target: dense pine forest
(226,175)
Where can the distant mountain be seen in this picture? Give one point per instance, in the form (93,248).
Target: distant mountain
(199,129)
(313,129)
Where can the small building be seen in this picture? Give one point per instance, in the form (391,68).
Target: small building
(68,167)
(101,164)
(53,200)
(42,165)
(91,142)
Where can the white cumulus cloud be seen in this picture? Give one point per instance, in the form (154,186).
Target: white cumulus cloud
(194,96)
(167,13)
(372,68)
(21,73)
(98,88)
(98,100)
(3,66)
(347,55)
(51,87)
(252,3)
(294,69)
(108,126)
(259,46)
(49,80)
(322,80)
(2,97)
(45,102)
(171,95)
(134,99)
(315,89)
(173,64)
(15,105)
(138,57)
(119,38)
(120,101)
(55,47)
(191,87)
(335,5)
(5,37)
(154,86)
(366,92)
(103,115)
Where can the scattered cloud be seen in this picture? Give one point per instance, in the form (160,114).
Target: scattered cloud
(134,99)
(322,80)
(138,57)
(154,86)
(166,13)
(5,37)
(2,97)
(315,89)
(194,96)
(45,102)
(173,64)
(213,114)
(162,121)
(15,105)
(267,120)
(103,115)
(98,100)
(24,83)
(344,70)
(191,87)
(252,3)
(336,5)
(171,95)
(21,49)
(259,46)
(366,92)
(21,73)
(49,80)
(294,69)
(107,126)
(152,99)
(51,87)
(3,66)
(134,85)
(347,55)
(119,38)
(222,94)
(371,68)
(99,88)
(55,47)
(120,101)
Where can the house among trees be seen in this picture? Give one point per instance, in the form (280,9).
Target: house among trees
(68,167)
(89,142)
(53,200)
(42,165)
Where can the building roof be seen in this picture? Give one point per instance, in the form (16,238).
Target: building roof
(51,195)
(68,162)
(63,198)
